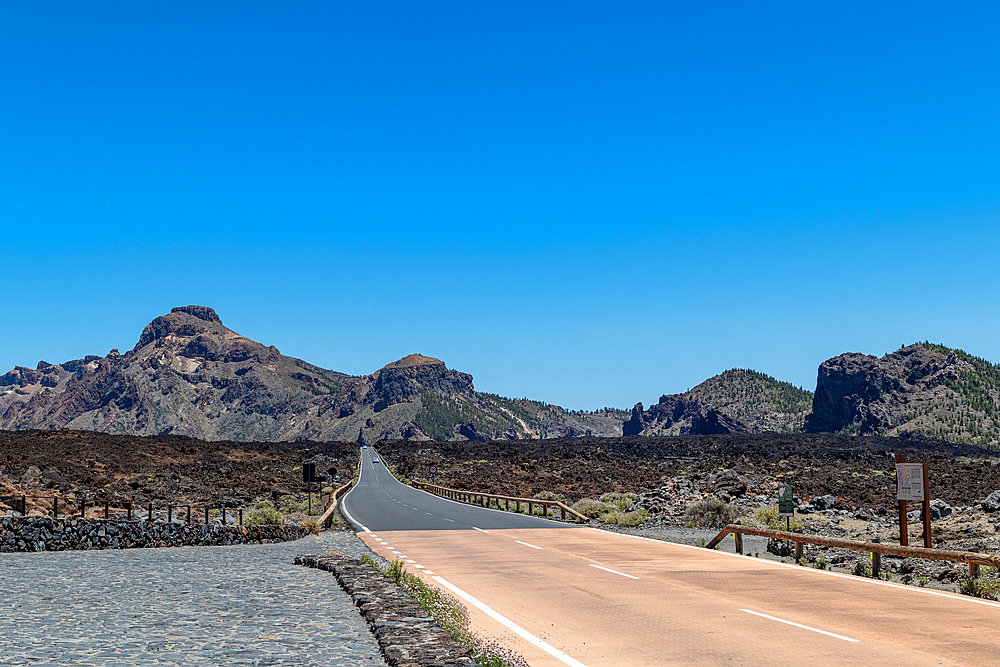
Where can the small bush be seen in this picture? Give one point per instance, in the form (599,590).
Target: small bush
(923,581)
(548,495)
(620,500)
(767,517)
(451,615)
(906,579)
(711,513)
(312,525)
(591,508)
(266,514)
(612,517)
(980,587)
(820,563)
(862,568)
(636,518)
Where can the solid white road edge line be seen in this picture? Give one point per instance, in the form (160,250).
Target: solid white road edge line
(480,530)
(607,569)
(799,625)
(528,545)
(812,570)
(509,624)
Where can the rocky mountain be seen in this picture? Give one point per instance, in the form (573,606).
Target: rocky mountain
(190,375)
(737,401)
(931,389)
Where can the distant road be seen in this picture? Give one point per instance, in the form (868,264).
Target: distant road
(561,594)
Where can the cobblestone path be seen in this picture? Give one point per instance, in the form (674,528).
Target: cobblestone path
(234,605)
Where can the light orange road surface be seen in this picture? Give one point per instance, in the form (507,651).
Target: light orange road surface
(588,597)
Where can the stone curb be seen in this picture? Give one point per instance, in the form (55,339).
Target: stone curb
(48,534)
(405,632)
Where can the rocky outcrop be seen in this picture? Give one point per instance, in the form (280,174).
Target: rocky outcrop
(736,401)
(678,415)
(918,389)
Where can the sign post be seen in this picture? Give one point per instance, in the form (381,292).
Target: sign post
(912,485)
(309,476)
(786,504)
(434,470)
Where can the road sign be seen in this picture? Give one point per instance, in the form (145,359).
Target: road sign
(308,472)
(434,469)
(910,481)
(786,500)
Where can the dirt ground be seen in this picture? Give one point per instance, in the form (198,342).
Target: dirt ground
(859,472)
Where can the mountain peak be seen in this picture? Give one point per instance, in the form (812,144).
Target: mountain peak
(415,360)
(201,312)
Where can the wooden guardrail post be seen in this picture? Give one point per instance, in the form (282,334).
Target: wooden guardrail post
(739,542)
(876,560)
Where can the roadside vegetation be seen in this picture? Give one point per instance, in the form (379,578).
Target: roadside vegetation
(449,613)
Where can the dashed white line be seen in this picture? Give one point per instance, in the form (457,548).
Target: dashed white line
(528,545)
(608,569)
(428,572)
(509,624)
(799,625)
(449,520)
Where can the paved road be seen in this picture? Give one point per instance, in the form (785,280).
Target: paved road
(571,595)
(380,502)
(235,605)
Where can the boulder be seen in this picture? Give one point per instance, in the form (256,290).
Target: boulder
(939,509)
(823,502)
(992,502)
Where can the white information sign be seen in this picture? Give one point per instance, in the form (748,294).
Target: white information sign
(910,481)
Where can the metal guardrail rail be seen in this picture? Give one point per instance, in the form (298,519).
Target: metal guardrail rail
(876,549)
(477,498)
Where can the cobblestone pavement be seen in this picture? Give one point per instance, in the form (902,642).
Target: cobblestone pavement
(234,605)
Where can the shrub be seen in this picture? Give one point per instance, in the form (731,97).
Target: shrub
(980,587)
(451,615)
(591,508)
(767,517)
(548,495)
(862,568)
(620,500)
(265,514)
(711,513)
(820,563)
(312,525)
(923,581)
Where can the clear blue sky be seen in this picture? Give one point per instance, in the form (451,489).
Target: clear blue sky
(588,203)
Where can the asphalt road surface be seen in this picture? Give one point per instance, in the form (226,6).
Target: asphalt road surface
(567,595)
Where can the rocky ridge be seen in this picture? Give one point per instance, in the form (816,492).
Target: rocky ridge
(190,375)
(921,389)
(737,401)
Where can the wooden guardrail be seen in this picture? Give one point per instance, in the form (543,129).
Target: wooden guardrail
(477,498)
(327,518)
(876,549)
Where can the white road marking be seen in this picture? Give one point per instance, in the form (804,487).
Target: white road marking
(428,514)
(428,572)
(528,545)
(418,566)
(606,569)
(799,625)
(411,561)
(451,520)
(481,530)
(509,624)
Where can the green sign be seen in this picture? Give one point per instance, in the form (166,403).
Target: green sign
(786,500)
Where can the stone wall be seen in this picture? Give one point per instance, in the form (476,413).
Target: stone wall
(405,632)
(48,534)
